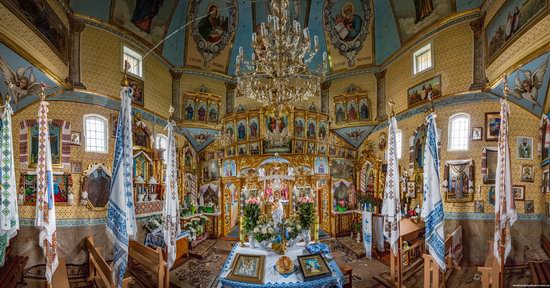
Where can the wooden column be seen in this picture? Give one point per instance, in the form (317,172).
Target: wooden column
(230,97)
(478,61)
(325,86)
(176,94)
(381,95)
(74,53)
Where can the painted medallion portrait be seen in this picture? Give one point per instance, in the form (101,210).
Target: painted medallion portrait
(348,24)
(212,33)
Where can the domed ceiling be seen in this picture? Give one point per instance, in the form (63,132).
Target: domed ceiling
(354,33)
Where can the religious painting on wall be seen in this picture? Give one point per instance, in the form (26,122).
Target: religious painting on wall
(311,148)
(349,27)
(241,130)
(527,173)
(201,112)
(137,90)
(230,130)
(147,19)
(529,207)
(512,17)
(489,165)
(413,16)
(55,144)
(215,25)
(479,207)
(253,128)
(458,185)
(299,149)
(321,165)
(524,148)
(43,20)
(364,109)
(341,168)
(519,192)
(477,133)
(340,112)
(299,127)
(243,149)
(213,113)
(61,184)
(97,185)
(545,185)
(231,151)
(255,148)
(492,126)
(311,129)
(229,168)
(189,109)
(323,129)
(419,93)
(528,85)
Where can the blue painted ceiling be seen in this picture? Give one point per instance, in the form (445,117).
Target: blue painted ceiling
(387,35)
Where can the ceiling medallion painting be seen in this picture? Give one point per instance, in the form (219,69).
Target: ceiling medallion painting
(348,24)
(212,33)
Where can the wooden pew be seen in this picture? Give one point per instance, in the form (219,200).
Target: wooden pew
(12,272)
(545,243)
(490,272)
(431,268)
(60,277)
(99,271)
(150,259)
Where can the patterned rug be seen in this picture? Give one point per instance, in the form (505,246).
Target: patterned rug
(199,273)
(202,248)
(352,245)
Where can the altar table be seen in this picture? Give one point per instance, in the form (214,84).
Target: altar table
(272,278)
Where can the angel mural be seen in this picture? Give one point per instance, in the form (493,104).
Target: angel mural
(23,80)
(528,88)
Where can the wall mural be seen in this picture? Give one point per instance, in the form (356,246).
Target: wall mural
(354,135)
(25,77)
(511,18)
(148,19)
(200,138)
(528,85)
(211,34)
(40,16)
(349,25)
(419,93)
(413,16)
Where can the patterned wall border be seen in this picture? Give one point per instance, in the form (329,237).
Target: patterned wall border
(489,216)
(81,222)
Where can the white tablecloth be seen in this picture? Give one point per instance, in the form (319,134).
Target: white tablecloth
(272,278)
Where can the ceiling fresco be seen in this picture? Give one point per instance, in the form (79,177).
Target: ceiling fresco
(354,33)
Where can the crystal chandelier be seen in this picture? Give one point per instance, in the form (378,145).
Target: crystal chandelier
(278,73)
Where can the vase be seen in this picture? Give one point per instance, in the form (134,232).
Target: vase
(307,236)
(141,196)
(264,244)
(252,241)
(293,242)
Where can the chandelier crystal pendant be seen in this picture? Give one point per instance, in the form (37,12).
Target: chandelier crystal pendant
(278,73)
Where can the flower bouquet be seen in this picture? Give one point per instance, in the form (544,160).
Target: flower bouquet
(153,224)
(341,205)
(264,231)
(196,227)
(251,215)
(306,216)
(292,230)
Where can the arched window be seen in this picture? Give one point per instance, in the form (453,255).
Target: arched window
(459,132)
(398,142)
(161,142)
(96,133)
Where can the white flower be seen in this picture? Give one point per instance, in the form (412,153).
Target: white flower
(270,230)
(264,231)
(299,227)
(256,230)
(288,229)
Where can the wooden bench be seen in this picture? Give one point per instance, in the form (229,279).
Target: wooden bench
(150,259)
(60,277)
(99,271)
(347,270)
(12,272)
(490,272)
(540,272)
(545,244)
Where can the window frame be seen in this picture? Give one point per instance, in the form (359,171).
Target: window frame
(425,48)
(106,133)
(450,132)
(126,49)
(157,142)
